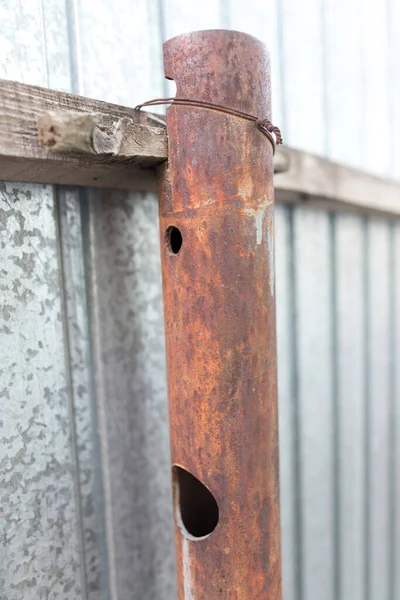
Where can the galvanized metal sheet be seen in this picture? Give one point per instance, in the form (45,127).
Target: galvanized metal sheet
(304,119)
(394,85)
(374,23)
(40,547)
(286,400)
(343,80)
(23,56)
(57,27)
(130,395)
(395,413)
(56,50)
(350,458)
(180,16)
(84,426)
(378,410)
(40,552)
(313,292)
(128,40)
(125,306)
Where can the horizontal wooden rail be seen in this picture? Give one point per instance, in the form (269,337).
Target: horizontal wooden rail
(320,182)
(54,137)
(22,158)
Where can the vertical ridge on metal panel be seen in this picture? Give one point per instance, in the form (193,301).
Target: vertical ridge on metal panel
(180,16)
(350,303)
(394,95)
(374,24)
(118,57)
(286,400)
(40,551)
(396,402)
(344,81)
(379,408)
(314,313)
(78,354)
(219,304)
(393,475)
(335,416)
(60,38)
(303,74)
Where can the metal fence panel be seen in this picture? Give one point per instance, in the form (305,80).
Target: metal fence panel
(86,502)
(40,550)
(350,373)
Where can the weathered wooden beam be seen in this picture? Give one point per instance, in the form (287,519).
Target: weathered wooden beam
(316,181)
(22,158)
(91,133)
(93,143)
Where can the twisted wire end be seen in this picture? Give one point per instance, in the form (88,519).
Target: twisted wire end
(264,125)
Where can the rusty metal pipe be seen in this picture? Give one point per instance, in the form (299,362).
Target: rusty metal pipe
(217,232)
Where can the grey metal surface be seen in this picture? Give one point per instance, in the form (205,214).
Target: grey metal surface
(374,26)
(395,414)
(39,524)
(84,483)
(314,395)
(130,393)
(125,314)
(343,80)
(378,523)
(40,548)
(305,118)
(84,420)
(287,407)
(351,405)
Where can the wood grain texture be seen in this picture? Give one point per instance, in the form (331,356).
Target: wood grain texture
(23,159)
(316,181)
(91,133)
(99,144)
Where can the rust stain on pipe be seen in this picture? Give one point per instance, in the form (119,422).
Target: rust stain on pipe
(216,218)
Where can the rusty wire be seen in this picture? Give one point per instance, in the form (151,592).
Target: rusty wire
(272,132)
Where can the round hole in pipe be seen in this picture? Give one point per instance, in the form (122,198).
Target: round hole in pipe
(198,509)
(174,239)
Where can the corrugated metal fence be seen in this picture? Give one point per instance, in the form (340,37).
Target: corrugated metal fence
(85,509)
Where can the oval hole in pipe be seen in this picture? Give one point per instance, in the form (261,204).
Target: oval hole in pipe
(198,509)
(174,239)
